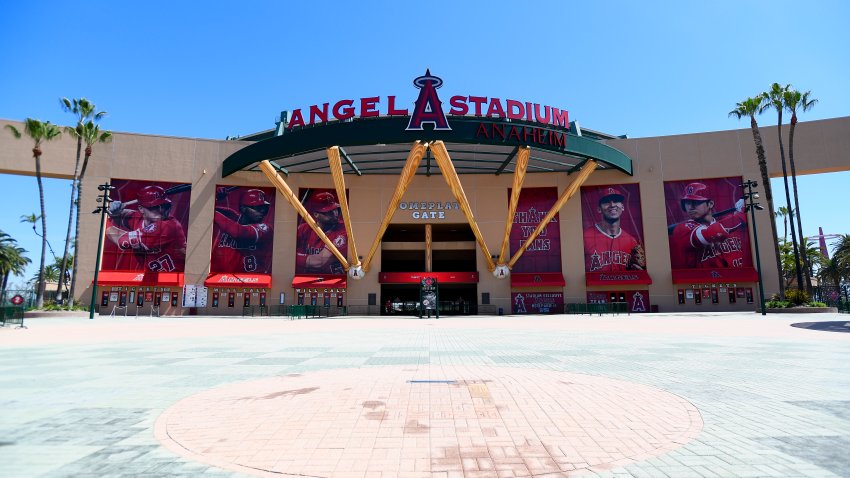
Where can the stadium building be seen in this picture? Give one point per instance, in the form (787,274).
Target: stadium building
(358,206)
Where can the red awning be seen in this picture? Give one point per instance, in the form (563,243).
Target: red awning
(415,277)
(539,279)
(303,281)
(617,278)
(692,276)
(161,279)
(263,281)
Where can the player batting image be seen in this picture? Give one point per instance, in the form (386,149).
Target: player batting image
(312,256)
(145,230)
(607,246)
(242,236)
(707,238)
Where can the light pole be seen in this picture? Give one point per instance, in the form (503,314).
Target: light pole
(749,197)
(103,199)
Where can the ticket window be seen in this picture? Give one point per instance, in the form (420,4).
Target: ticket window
(327,299)
(174,299)
(732,299)
(140,299)
(104,298)
(231,299)
(681,296)
(339,300)
(715,297)
(314,298)
(246,299)
(122,300)
(262,299)
(157,299)
(749,294)
(697,296)
(300,298)
(215,299)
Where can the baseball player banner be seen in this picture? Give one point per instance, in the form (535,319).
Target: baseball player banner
(243,230)
(707,230)
(311,254)
(613,235)
(537,302)
(146,226)
(544,254)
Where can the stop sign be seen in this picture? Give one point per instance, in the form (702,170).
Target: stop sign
(17,299)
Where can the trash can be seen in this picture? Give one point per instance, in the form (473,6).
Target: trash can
(501,311)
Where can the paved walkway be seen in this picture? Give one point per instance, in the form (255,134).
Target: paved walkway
(662,395)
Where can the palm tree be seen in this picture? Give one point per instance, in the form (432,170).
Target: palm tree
(783,213)
(793,100)
(91,135)
(39,132)
(749,108)
(775,98)
(84,110)
(13,261)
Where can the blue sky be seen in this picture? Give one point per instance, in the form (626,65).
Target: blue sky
(213,69)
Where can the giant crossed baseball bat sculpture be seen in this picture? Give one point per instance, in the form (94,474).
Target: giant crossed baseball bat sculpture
(722,213)
(180,188)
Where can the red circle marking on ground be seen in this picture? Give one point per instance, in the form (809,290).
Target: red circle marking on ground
(420,421)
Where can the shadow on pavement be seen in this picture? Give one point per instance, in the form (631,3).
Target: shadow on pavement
(826,326)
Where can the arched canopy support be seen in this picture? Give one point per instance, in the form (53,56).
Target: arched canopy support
(449,173)
(569,192)
(339,183)
(404,179)
(519,177)
(284,189)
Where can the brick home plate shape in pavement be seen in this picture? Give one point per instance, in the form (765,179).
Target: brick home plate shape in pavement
(479,421)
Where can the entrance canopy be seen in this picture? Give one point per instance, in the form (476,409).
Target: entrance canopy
(381,145)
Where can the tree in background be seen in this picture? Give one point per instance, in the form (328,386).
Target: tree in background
(783,213)
(84,110)
(91,135)
(39,132)
(804,101)
(749,108)
(13,261)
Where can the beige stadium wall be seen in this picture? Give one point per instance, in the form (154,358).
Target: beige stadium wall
(820,146)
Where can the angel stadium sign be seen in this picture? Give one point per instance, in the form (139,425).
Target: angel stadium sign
(428,109)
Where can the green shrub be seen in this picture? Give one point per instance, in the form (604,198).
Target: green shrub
(816,304)
(777,304)
(796,296)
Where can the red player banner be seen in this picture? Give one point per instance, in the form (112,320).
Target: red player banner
(146,227)
(612,226)
(311,254)
(243,234)
(544,254)
(707,231)
(537,302)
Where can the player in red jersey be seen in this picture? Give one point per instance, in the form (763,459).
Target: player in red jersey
(312,255)
(607,247)
(242,238)
(157,240)
(703,241)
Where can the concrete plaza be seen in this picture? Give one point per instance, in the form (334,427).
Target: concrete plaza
(660,395)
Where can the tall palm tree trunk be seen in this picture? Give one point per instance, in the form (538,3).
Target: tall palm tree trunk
(803,241)
(39,301)
(64,265)
(794,242)
(768,194)
(72,291)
